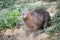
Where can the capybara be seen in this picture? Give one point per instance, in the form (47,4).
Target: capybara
(36,19)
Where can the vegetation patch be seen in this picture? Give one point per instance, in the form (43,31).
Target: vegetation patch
(55,25)
(9,18)
(6,3)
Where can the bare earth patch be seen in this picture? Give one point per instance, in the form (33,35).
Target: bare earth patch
(19,34)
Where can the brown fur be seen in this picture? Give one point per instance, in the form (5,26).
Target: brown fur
(37,19)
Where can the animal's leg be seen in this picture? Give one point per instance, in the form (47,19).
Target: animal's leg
(45,25)
(35,34)
(27,32)
(41,31)
(35,31)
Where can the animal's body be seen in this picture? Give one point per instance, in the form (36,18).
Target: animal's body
(37,19)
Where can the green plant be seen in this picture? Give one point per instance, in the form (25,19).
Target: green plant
(55,22)
(31,6)
(6,3)
(56,18)
(28,1)
(58,5)
(55,25)
(9,18)
(49,0)
(53,30)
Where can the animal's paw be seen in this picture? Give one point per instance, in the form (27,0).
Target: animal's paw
(42,31)
(35,34)
(27,33)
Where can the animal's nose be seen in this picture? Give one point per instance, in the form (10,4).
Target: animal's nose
(23,16)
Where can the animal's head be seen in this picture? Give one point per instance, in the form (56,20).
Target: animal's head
(24,13)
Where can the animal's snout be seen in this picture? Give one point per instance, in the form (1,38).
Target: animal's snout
(25,16)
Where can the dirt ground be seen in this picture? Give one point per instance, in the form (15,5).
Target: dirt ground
(19,34)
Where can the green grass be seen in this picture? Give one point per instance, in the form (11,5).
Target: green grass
(9,18)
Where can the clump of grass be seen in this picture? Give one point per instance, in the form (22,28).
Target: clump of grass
(9,18)
(58,5)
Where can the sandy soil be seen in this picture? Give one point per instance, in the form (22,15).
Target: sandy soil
(19,34)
